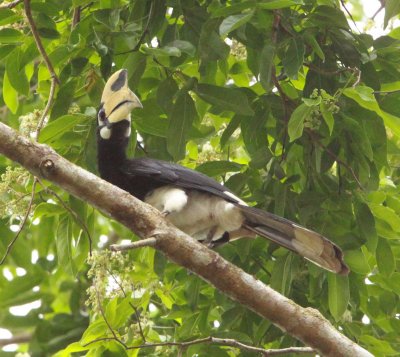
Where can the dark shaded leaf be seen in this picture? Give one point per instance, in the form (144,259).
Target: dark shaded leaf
(266,66)
(385,258)
(230,99)
(294,57)
(180,121)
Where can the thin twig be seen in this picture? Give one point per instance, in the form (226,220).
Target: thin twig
(47,107)
(131,305)
(24,220)
(17,339)
(334,156)
(182,345)
(104,317)
(76,17)
(350,15)
(39,44)
(377,11)
(314,68)
(70,210)
(212,340)
(49,65)
(358,80)
(147,242)
(11,4)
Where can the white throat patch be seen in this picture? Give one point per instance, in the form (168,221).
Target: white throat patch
(128,131)
(105,133)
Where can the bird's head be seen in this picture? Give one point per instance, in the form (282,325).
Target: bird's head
(117,103)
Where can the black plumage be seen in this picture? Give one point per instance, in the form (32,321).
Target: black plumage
(194,202)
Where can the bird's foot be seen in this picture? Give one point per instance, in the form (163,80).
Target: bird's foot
(165,213)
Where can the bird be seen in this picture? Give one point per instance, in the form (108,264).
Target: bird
(195,203)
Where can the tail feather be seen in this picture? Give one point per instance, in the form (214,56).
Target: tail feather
(311,245)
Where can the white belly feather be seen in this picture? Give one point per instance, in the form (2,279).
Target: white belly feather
(196,213)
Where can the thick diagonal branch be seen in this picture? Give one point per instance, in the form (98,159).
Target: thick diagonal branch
(305,324)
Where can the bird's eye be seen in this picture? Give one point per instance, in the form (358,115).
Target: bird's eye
(101,115)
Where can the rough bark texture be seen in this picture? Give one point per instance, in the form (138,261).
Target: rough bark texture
(305,324)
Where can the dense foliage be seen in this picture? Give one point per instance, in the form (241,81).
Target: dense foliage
(279,99)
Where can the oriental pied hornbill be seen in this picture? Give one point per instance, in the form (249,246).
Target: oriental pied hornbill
(193,202)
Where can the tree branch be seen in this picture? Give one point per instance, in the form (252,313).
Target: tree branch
(39,44)
(22,338)
(305,324)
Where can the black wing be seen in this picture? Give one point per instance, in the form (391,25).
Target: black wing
(156,173)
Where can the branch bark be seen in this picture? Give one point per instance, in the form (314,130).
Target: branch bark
(305,324)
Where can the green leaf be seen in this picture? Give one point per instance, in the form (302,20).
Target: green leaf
(329,16)
(364,96)
(312,41)
(385,258)
(8,35)
(95,330)
(217,168)
(387,215)
(357,262)
(10,95)
(233,22)
(166,91)
(19,290)
(160,52)
(278,4)
(230,129)
(231,99)
(64,246)
(182,116)
(392,8)
(338,295)
(8,16)
(327,116)
(296,121)
(183,46)
(211,47)
(16,75)
(365,222)
(224,11)
(153,126)
(60,126)
(294,57)
(266,66)
(45,209)
(281,276)
(64,99)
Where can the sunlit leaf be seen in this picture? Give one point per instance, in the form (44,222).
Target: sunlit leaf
(233,22)
(296,122)
(338,295)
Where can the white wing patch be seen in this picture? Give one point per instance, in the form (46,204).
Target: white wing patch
(167,199)
(197,213)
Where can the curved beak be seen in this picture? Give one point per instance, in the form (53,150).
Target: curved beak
(117,99)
